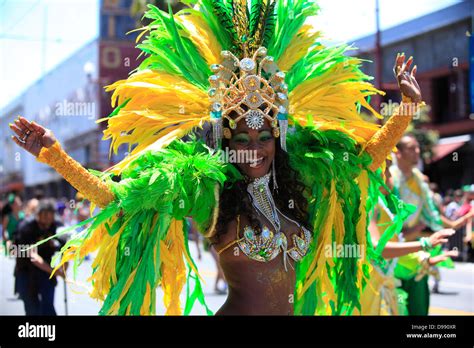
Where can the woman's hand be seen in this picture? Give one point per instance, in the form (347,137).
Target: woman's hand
(442,257)
(38,261)
(441,237)
(406,80)
(31,136)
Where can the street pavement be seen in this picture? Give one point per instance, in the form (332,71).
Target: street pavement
(78,301)
(456,291)
(456,295)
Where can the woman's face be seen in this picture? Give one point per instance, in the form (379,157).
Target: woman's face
(257,144)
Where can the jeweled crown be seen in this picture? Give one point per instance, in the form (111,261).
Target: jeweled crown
(253,89)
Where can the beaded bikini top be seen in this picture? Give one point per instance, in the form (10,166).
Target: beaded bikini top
(268,244)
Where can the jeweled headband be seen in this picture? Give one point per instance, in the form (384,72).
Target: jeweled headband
(254,82)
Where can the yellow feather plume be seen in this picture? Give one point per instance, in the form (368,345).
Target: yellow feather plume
(173,268)
(201,35)
(330,101)
(317,268)
(301,43)
(161,105)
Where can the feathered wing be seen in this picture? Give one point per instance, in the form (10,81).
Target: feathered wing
(342,192)
(140,238)
(166,97)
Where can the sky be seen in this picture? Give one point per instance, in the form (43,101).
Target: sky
(37,35)
(346,20)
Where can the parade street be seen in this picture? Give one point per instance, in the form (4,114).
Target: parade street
(78,300)
(456,295)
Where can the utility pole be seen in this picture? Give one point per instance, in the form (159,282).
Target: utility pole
(378,57)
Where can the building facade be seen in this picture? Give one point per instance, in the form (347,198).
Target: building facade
(441,43)
(68,100)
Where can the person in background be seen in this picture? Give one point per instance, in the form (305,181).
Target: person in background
(382,294)
(467,205)
(410,185)
(448,198)
(32,204)
(33,269)
(12,214)
(453,207)
(466,210)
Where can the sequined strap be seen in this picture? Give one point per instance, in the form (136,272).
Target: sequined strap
(234,241)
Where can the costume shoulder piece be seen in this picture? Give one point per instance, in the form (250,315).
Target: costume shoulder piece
(202,63)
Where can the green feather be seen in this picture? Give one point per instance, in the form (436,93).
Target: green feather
(290,16)
(223,11)
(321,157)
(169,51)
(255,14)
(269,23)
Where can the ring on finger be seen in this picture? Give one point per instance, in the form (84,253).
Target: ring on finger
(25,136)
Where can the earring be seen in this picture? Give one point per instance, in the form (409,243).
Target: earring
(227,133)
(275,185)
(276,132)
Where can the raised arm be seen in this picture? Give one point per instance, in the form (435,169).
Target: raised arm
(41,143)
(382,143)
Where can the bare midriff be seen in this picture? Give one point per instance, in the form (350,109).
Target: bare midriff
(256,288)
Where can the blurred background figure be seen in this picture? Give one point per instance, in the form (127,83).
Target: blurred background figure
(33,269)
(32,204)
(411,185)
(12,214)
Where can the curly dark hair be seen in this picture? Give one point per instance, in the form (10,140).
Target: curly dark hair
(288,197)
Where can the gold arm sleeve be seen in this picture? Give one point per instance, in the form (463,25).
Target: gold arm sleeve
(382,143)
(85,182)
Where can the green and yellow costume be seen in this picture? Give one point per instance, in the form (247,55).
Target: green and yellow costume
(139,236)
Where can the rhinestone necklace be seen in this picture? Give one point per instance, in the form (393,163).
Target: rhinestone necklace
(263,201)
(266,246)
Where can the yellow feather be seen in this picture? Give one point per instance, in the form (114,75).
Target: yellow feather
(104,265)
(317,269)
(301,43)
(145,309)
(201,35)
(173,268)
(330,101)
(161,104)
(361,228)
(163,141)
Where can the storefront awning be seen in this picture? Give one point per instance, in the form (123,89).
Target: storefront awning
(447,146)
